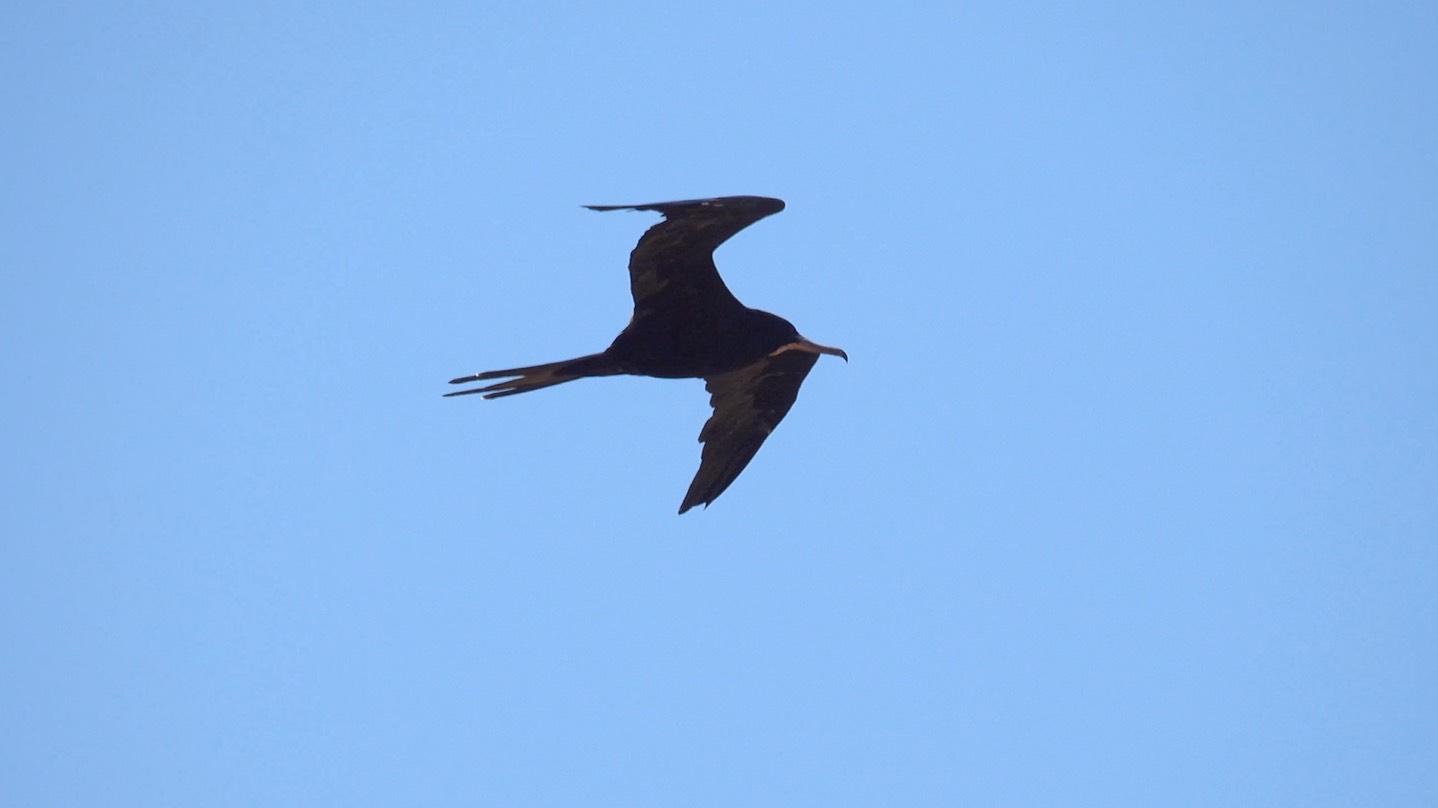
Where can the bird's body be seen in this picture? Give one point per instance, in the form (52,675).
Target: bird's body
(687,324)
(697,347)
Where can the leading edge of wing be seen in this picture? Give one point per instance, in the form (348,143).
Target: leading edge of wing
(758,206)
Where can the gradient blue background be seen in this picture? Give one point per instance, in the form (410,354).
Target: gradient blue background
(1129,495)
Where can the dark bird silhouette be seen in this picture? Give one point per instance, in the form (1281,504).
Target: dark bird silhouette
(687,324)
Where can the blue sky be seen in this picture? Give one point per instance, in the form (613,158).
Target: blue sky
(1128,496)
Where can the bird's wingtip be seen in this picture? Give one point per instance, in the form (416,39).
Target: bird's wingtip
(687,505)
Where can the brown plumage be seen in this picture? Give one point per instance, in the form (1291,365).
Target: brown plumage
(687,324)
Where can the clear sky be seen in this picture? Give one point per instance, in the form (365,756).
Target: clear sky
(1128,496)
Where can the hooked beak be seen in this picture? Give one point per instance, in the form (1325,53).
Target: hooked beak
(814,347)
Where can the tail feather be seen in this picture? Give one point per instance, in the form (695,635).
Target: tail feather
(536,377)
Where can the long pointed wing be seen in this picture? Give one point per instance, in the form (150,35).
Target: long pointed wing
(672,268)
(748,403)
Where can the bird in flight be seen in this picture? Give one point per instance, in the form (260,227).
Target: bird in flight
(687,324)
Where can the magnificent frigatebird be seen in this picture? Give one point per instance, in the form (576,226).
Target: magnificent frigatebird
(687,324)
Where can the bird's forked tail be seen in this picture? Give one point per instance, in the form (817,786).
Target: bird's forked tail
(535,377)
